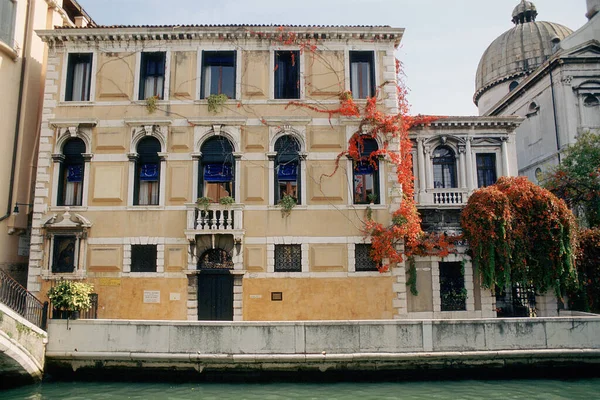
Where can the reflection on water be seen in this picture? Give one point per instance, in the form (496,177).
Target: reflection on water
(490,390)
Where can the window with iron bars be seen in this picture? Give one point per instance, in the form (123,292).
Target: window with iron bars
(288,258)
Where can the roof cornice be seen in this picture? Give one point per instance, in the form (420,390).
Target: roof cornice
(224,32)
(504,122)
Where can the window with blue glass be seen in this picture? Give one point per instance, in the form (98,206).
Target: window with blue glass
(70,190)
(366,173)
(444,168)
(362,74)
(287,168)
(287,74)
(152,75)
(216,176)
(147,173)
(218,73)
(486,169)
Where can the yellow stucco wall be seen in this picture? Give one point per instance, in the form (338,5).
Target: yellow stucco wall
(318,298)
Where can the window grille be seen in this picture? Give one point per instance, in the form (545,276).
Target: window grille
(363,260)
(288,258)
(452,287)
(143,258)
(215,259)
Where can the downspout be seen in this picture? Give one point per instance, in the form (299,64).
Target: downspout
(554,112)
(19,109)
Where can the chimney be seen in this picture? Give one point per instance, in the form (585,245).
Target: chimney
(593,7)
(82,22)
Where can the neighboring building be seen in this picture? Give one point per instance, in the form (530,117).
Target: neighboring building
(547,74)
(22,74)
(131,138)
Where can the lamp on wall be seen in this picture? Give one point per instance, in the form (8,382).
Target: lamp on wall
(16,209)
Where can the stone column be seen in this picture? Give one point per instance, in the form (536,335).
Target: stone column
(463,173)
(421,166)
(505,169)
(469,170)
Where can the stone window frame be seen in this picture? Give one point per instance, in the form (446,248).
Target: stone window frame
(158,130)
(144,240)
(65,131)
(285,241)
(93,76)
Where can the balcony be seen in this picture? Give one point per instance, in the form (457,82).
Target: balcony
(214,219)
(443,197)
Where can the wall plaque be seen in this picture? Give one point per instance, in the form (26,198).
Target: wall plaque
(151,296)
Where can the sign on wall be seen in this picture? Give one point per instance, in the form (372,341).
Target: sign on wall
(151,296)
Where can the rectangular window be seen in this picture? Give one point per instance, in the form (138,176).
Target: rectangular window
(288,258)
(287,180)
(63,254)
(287,74)
(366,182)
(79,77)
(143,258)
(73,185)
(486,169)
(362,74)
(152,75)
(452,287)
(218,73)
(362,257)
(8,10)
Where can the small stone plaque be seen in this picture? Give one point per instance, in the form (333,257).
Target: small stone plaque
(110,282)
(174,296)
(151,296)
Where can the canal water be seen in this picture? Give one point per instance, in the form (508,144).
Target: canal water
(587,389)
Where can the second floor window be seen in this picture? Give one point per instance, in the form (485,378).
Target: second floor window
(444,168)
(218,73)
(486,169)
(287,75)
(70,189)
(79,77)
(152,75)
(287,168)
(362,74)
(147,179)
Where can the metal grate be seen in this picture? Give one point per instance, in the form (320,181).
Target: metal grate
(215,259)
(288,258)
(452,287)
(143,258)
(92,313)
(516,301)
(362,257)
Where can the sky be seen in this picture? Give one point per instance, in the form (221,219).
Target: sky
(440,50)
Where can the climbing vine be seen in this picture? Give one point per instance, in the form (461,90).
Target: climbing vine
(519,232)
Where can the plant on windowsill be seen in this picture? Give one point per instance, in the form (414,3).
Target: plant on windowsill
(286,203)
(69,298)
(372,198)
(204,202)
(151,104)
(226,201)
(216,101)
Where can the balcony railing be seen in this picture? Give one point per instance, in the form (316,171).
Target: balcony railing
(444,197)
(214,218)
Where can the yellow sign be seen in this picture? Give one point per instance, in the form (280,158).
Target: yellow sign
(110,282)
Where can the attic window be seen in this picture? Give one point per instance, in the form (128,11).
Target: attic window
(513,85)
(533,109)
(591,101)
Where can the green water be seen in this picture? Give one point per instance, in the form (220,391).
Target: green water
(587,389)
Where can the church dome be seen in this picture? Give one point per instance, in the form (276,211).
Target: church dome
(518,51)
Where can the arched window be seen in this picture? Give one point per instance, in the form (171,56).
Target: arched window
(147,173)
(444,168)
(287,168)
(366,173)
(70,190)
(215,259)
(216,177)
(591,101)
(513,85)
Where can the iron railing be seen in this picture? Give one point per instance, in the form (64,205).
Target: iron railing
(17,298)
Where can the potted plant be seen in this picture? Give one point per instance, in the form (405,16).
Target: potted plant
(204,202)
(68,298)
(226,201)
(286,203)
(372,197)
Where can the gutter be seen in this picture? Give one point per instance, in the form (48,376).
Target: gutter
(28,22)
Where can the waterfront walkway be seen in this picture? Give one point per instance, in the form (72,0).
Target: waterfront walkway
(322,345)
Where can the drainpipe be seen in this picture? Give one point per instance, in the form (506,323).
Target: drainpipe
(19,108)
(554,107)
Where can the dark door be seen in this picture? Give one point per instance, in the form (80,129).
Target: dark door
(215,296)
